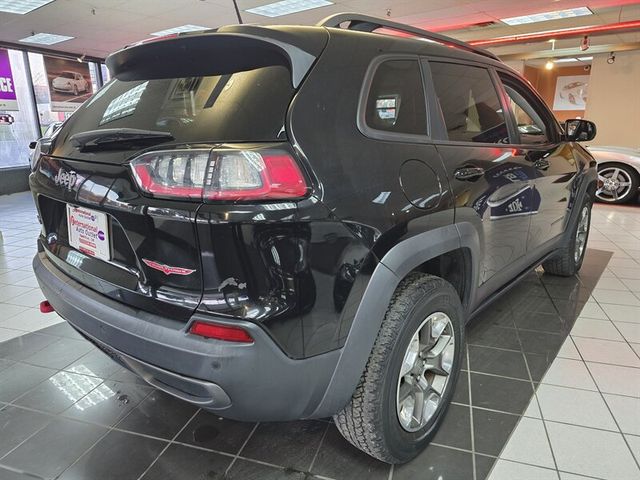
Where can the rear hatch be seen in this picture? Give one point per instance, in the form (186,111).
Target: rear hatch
(194,94)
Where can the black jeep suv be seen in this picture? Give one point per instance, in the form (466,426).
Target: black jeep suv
(280,223)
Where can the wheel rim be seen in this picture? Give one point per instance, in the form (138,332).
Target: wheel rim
(616,184)
(581,233)
(425,371)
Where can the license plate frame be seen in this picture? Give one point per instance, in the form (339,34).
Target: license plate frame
(88,232)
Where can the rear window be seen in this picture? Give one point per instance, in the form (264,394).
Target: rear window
(243,106)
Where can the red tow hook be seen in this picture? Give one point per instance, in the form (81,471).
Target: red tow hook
(46,307)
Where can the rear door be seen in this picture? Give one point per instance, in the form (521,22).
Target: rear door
(490,181)
(539,143)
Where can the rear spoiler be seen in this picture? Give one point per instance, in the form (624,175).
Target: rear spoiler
(210,53)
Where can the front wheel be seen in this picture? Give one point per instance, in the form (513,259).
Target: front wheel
(568,260)
(409,379)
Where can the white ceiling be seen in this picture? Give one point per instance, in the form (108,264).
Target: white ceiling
(103,26)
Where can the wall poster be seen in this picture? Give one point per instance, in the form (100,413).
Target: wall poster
(69,83)
(571,92)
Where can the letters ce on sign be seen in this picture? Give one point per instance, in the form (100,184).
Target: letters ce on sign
(8,99)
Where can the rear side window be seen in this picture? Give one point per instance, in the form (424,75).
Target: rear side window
(396,101)
(469,103)
(243,106)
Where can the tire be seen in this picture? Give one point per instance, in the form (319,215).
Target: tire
(568,260)
(620,175)
(371,420)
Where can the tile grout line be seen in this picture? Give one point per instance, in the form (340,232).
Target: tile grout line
(244,444)
(169,443)
(471,428)
(617,329)
(313,460)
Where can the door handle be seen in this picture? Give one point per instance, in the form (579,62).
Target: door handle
(542,164)
(468,173)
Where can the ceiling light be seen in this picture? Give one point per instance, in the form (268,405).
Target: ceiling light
(181,29)
(545,16)
(285,7)
(565,60)
(45,38)
(21,6)
(549,65)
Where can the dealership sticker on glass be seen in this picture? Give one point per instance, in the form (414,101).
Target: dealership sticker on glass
(8,99)
(88,231)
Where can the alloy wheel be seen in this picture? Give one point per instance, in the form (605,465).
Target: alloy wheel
(581,234)
(425,371)
(616,184)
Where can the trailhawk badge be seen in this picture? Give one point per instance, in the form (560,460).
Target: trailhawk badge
(166,269)
(66,179)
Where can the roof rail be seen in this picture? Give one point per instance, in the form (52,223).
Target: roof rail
(366,23)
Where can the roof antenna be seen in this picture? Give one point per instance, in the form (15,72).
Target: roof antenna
(235,5)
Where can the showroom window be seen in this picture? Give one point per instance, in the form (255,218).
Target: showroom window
(396,101)
(469,103)
(529,119)
(17,118)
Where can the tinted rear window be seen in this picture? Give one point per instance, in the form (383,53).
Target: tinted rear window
(243,106)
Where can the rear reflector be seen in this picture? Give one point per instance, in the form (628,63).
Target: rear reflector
(45,307)
(220,174)
(220,332)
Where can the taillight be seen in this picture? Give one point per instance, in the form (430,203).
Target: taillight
(220,332)
(220,175)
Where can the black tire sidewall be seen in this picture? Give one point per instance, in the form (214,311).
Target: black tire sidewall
(405,445)
(587,202)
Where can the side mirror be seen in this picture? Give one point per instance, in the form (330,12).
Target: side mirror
(32,145)
(578,130)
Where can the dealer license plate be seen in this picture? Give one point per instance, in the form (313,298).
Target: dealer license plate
(89,231)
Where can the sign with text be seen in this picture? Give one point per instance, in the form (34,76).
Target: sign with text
(8,99)
(69,83)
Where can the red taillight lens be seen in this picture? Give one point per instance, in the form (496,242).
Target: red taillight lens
(220,175)
(220,332)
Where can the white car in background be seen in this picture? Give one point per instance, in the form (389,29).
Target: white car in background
(70,82)
(618,173)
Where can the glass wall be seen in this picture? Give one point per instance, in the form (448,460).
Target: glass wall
(29,119)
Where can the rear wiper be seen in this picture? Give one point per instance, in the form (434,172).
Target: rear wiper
(114,138)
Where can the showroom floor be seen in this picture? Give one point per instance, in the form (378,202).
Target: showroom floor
(551,389)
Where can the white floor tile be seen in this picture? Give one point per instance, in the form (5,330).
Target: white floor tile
(578,407)
(529,444)
(631,273)
(636,348)
(593,310)
(573,476)
(568,350)
(633,285)
(8,334)
(616,297)
(7,310)
(505,470)
(592,452)
(626,411)
(630,331)
(615,379)
(606,351)
(594,328)
(7,292)
(622,313)
(30,320)
(634,445)
(611,284)
(532,410)
(30,299)
(569,373)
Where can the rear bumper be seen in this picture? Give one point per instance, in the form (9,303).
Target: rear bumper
(255,382)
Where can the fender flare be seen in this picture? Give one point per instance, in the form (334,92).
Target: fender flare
(394,266)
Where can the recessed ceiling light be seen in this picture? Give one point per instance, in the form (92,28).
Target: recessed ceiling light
(545,16)
(285,7)
(181,29)
(45,38)
(21,6)
(573,59)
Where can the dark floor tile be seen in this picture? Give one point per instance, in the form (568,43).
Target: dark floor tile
(492,336)
(49,452)
(158,415)
(573,291)
(208,430)
(484,466)
(340,460)
(179,462)
(437,463)
(538,365)
(455,430)
(108,403)
(62,330)
(491,430)
(523,303)
(5,363)
(297,443)
(244,470)
(16,425)
(60,353)
(127,376)
(6,474)
(20,378)
(24,346)
(497,362)
(542,343)
(498,393)
(492,316)
(118,455)
(569,309)
(95,363)
(543,322)
(58,392)
(461,391)
(528,289)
